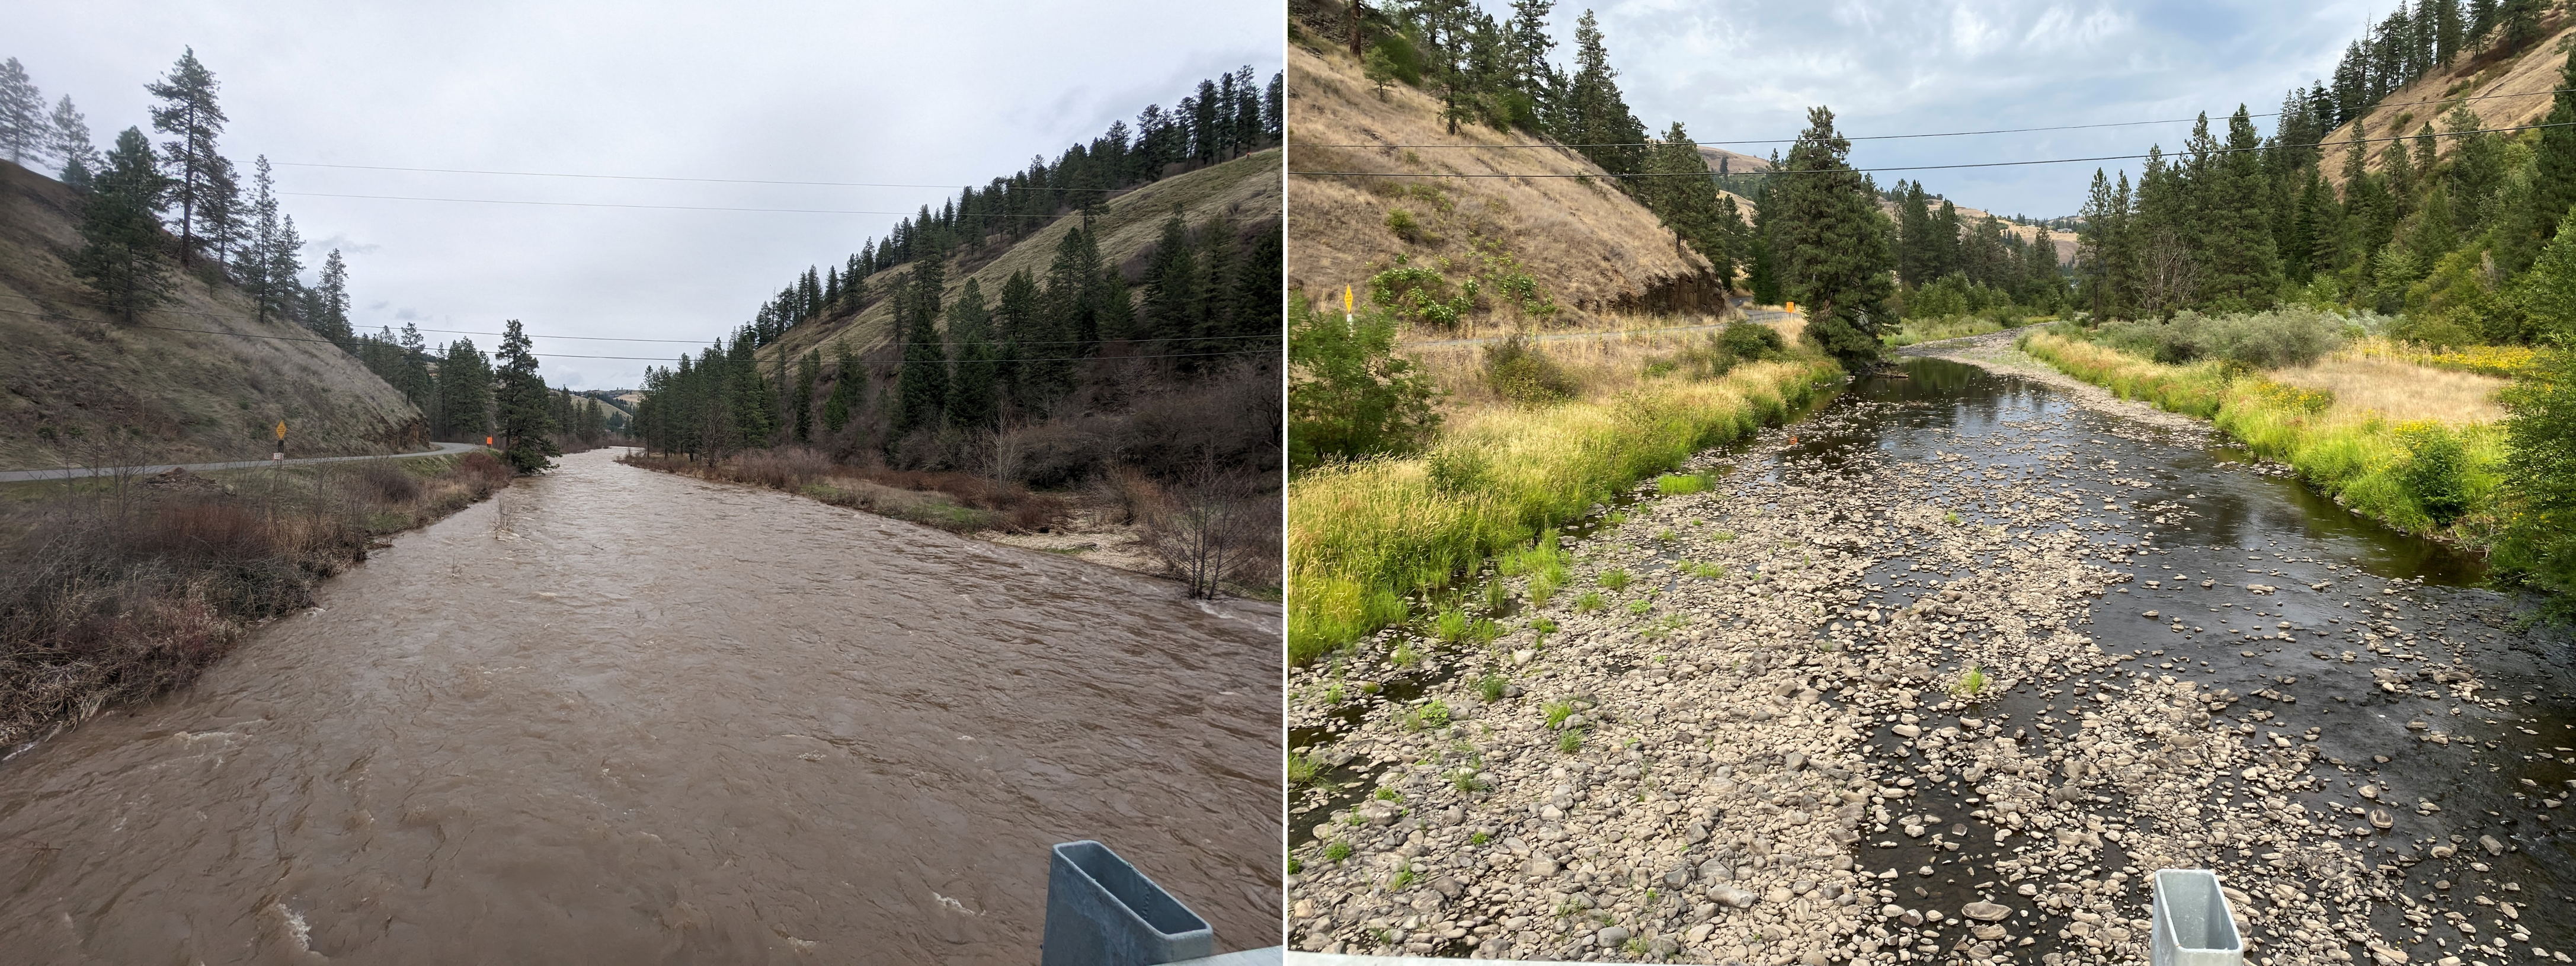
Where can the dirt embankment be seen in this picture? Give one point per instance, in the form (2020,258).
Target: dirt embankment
(1592,248)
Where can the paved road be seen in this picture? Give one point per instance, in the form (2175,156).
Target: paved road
(23,476)
(1750,312)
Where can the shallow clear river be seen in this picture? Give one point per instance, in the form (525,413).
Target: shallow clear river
(621,716)
(2475,816)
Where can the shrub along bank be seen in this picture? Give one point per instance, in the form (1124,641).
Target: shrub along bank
(1366,533)
(2418,476)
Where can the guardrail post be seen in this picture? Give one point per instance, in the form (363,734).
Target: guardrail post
(2192,924)
(1102,912)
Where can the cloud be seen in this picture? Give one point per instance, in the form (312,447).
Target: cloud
(343,244)
(406,314)
(1748,70)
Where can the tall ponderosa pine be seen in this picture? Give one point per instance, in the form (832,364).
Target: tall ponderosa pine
(524,418)
(1832,243)
(24,135)
(464,393)
(2240,268)
(921,388)
(974,392)
(69,138)
(122,241)
(189,114)
(846,383)
(809,370)
(331,298)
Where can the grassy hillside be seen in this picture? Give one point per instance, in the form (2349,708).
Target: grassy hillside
(2488,74)
(175,396)
(1592,248)
(1247,188)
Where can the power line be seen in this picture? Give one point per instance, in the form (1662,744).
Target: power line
(641,177)
(1915,167)
(1899,137)
(589,338)
(557,355)
(596,204)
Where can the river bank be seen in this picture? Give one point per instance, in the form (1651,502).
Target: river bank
(1913,683)
(119,587)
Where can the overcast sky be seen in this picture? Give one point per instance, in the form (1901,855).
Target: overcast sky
(943,94)
(1749,69)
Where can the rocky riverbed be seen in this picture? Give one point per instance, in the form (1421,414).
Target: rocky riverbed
(1943,674)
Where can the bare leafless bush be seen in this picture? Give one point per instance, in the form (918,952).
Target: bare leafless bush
(1210,530)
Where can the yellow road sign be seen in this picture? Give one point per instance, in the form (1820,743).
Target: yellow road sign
(281,429)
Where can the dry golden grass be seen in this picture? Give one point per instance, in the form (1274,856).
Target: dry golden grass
(1593,249)
(2529,75)
(1604,362)
(2400,391)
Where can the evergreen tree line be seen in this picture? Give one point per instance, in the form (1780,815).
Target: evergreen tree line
(975,363)
(458,390)
(1227,117)
(1936,244)
(2439,229)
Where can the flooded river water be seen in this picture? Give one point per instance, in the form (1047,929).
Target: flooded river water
(2034,649)
(621,716)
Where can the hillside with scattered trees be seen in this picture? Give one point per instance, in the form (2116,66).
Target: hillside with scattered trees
(163,314)
(1107,319)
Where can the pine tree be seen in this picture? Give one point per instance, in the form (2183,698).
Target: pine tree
(332,322)
(921,388)
(524,420)
(121,236)
(845,390)
(2240,268)
(464,392)
(809,369)
(69,141)
(1917,254)
(1172,283)
(189,114)
(1216,300)
(1594,113)
(24,137)
(1832,244)
(974,395)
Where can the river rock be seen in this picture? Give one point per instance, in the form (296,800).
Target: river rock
(1985,911)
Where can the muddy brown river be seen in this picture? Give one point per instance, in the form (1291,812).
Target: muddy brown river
(621,716)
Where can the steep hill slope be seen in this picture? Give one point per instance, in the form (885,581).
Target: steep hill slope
(192,396)
(2510,89)
(1592,248)
(1246,188)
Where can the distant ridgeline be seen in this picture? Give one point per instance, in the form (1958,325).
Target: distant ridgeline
(1014,304)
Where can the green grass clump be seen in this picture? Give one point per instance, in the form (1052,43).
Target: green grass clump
(1589,602)
(1338,851)
(1302,770)
(1433,715)
(1571,741)
(1490,687)
(1450,625)
(1363,534)
(1640,606)
(1680,484)
(1971,682)
(1557,712)
(1615,579)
